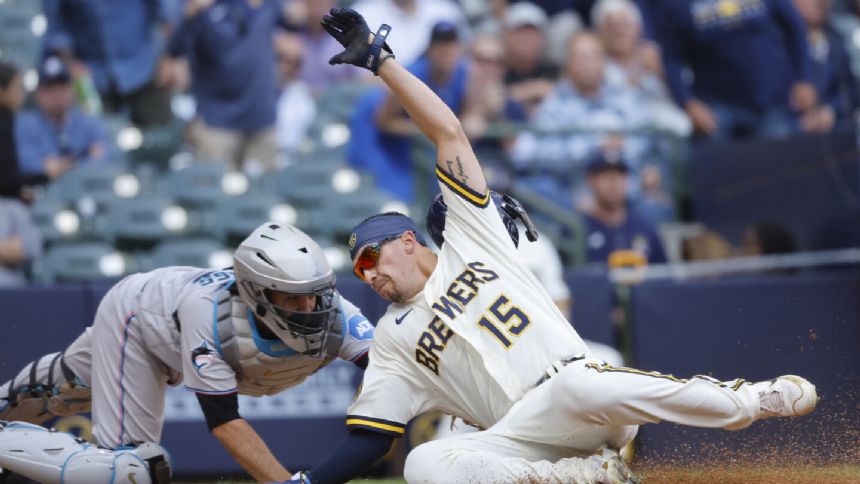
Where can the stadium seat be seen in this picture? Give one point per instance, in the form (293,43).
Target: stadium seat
(341,213)
(199,185)
(305,184)
(44,213)
(196,252)
(236,217)
(93,180)
(144,221)
(82,261)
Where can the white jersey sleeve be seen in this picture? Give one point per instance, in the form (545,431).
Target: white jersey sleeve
(390,394)
(204,370)
(473,219)
(357,332)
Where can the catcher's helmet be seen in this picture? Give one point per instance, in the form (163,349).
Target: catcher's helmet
(509,209)
(279,257)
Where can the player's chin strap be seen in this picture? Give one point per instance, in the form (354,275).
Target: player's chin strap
(58,457)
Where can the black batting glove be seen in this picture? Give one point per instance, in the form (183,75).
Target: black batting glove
(350,29)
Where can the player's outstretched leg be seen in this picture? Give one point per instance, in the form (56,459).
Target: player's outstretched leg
(53,457)
(597,393)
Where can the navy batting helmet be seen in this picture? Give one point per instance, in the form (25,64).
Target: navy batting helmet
(509,209)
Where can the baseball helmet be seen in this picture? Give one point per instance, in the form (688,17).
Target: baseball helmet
(508,207)
(279,257)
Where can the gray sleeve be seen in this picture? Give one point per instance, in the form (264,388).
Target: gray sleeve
(357,332)
(22,226)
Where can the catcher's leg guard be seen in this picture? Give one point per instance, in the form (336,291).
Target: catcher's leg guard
(54,457)
(44,389)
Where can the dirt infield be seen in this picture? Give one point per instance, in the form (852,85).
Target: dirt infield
(758,475)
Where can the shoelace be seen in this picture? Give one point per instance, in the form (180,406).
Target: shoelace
(771,401)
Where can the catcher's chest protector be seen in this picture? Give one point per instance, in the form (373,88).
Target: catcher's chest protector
(264,372)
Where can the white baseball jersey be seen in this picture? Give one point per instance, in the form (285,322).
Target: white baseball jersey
(474,340)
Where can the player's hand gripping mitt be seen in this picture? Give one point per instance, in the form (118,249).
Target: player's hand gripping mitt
(350,29)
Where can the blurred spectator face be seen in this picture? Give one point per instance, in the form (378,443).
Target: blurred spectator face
(316,9)
(12,95)
(524,45)
(620,33)
(609,188)
(55,99)
(585,62)
(443,56)
(814,12)
(289,53)
(488,56)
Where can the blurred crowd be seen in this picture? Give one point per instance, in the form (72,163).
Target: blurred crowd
(587,104)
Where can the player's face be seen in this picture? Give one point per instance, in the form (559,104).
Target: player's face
(293,302)
(391,271)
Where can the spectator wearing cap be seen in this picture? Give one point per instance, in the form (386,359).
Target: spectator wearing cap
(749,61)
(13,184)
(529,77)
(411,22)
(831,70)
(610,225)
(57,135)
(444,69)
(118,44)
(228,44)
(582,114)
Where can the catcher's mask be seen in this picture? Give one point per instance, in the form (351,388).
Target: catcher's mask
(277,262)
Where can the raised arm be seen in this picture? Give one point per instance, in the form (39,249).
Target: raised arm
(432,116)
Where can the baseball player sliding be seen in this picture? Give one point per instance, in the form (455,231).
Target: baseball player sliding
(470,332)
(258,329)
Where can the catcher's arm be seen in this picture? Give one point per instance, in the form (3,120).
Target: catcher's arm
(239,438)
(249,450)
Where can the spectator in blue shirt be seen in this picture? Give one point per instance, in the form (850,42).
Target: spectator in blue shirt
(749,62)
(13,184)
(54,137)
(116,42)
(610,225)
(228,44)
(831,70)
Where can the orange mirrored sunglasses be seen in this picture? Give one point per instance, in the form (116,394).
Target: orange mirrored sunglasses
(369,257)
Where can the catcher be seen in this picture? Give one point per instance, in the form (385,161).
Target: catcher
(257,329)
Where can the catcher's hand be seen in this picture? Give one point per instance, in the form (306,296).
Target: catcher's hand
(350,29)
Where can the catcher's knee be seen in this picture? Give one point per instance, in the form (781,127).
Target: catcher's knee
(50,389)
(24,450)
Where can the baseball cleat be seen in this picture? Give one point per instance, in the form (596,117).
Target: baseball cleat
(786,396)
(613,469)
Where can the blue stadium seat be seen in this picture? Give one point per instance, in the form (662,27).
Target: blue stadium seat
(82,261)
(198,185)
(144,221)
(305,184)
(235,218)
(197,252)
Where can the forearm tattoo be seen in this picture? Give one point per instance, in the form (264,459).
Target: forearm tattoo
(460,174)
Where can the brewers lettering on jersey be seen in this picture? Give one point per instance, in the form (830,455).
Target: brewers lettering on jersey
(255,330)
(470,332)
